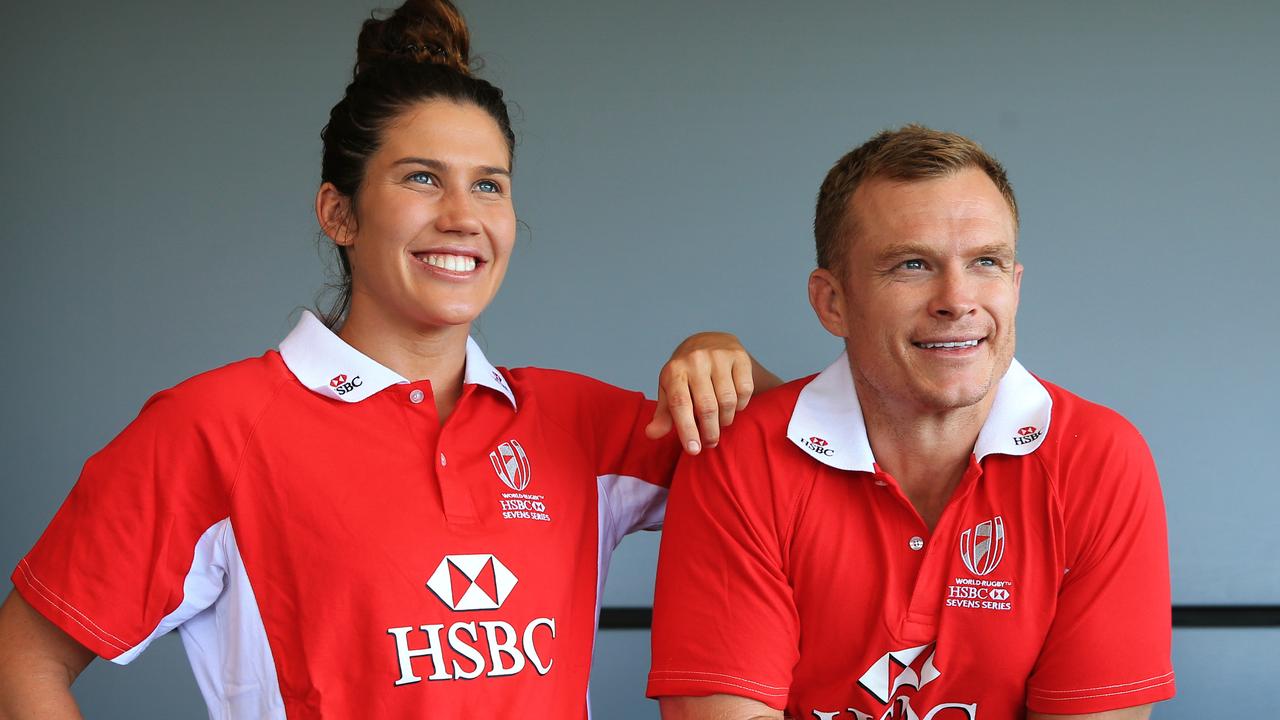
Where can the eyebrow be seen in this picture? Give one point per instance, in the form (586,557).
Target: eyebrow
(442,166)
(902,250)
(893,252)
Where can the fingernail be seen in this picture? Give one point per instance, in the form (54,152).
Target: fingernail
(693,446)
(712,444)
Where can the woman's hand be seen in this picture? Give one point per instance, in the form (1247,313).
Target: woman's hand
(708,379)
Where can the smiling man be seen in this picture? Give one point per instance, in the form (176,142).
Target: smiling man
(924,530)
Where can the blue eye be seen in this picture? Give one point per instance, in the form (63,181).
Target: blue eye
(422,178)
(912,265)
(988,262)
(488,186)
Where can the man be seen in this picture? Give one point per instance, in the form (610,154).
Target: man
(924,530)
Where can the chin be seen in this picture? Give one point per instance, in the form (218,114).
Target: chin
(955,397)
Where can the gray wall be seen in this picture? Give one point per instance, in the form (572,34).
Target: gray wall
(159,162)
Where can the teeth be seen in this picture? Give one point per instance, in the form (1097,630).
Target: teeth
(957,344)
(452,263)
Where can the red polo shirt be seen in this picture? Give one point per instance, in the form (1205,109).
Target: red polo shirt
(326,547)
(795,572)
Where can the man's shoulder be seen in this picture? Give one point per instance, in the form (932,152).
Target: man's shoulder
(760,429)
(1092,451)
(1078,419)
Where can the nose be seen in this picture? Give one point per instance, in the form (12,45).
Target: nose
(457,213)
(954,295)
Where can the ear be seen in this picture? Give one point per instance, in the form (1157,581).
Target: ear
(827,298)
(1017,281)
(334,213)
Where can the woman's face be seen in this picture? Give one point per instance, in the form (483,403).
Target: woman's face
(433,222)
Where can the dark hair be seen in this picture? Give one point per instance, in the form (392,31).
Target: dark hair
(912,152)
(420,52)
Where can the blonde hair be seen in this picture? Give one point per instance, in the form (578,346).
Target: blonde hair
(912,152)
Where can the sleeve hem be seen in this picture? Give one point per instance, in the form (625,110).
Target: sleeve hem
(64,615)
(1102,699)
(684,683)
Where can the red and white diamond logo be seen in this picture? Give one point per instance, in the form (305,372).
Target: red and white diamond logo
(472,582)
(337,380)
(911,668)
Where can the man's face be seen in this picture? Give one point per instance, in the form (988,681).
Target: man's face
(928,293)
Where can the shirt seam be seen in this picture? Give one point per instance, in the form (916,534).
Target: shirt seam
(248,441)
(1166,677)
(1145,688)
(45,592)
(722,683)
(797,509)
(716,674)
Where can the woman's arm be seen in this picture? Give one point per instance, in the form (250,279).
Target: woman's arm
(709,378)
(38,663)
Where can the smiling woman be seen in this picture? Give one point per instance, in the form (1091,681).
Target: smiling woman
(429,233)
(448,560)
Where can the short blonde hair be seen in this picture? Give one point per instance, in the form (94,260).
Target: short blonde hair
(912,152)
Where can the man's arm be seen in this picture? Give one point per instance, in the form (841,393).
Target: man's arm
(38,663)
(1134,713)
(719,707)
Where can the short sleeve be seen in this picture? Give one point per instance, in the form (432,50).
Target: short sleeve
(632,471)
(1109,644)
(132,552)
(724,616)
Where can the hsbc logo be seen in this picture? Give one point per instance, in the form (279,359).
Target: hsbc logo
(511,464)
(982,546)
(467,650)
(817,445)
(1026,435)
(895,669)
(342,385)
(893,680)
(472,582)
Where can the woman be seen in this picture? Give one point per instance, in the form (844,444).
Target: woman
(377,522)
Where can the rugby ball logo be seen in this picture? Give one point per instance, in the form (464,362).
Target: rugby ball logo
(511,464)
(982,546)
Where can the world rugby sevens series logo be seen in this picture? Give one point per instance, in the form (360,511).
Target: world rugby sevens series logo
(982,546)
(511,465)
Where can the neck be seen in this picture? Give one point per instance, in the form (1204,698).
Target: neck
(926,450)
(436,354)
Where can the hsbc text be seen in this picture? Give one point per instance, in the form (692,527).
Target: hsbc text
(984,598)
(502,651)
(348,386)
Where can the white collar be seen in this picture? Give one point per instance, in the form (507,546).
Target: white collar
(326,364)
(827,421)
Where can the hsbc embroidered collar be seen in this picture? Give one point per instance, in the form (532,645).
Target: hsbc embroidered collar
(827,421)
(328,366)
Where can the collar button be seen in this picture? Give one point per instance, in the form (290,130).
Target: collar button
(416,396)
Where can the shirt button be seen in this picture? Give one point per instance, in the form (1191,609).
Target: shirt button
(443,462)
(916,543)
(416,396)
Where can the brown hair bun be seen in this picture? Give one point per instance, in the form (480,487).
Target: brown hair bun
(419,30)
